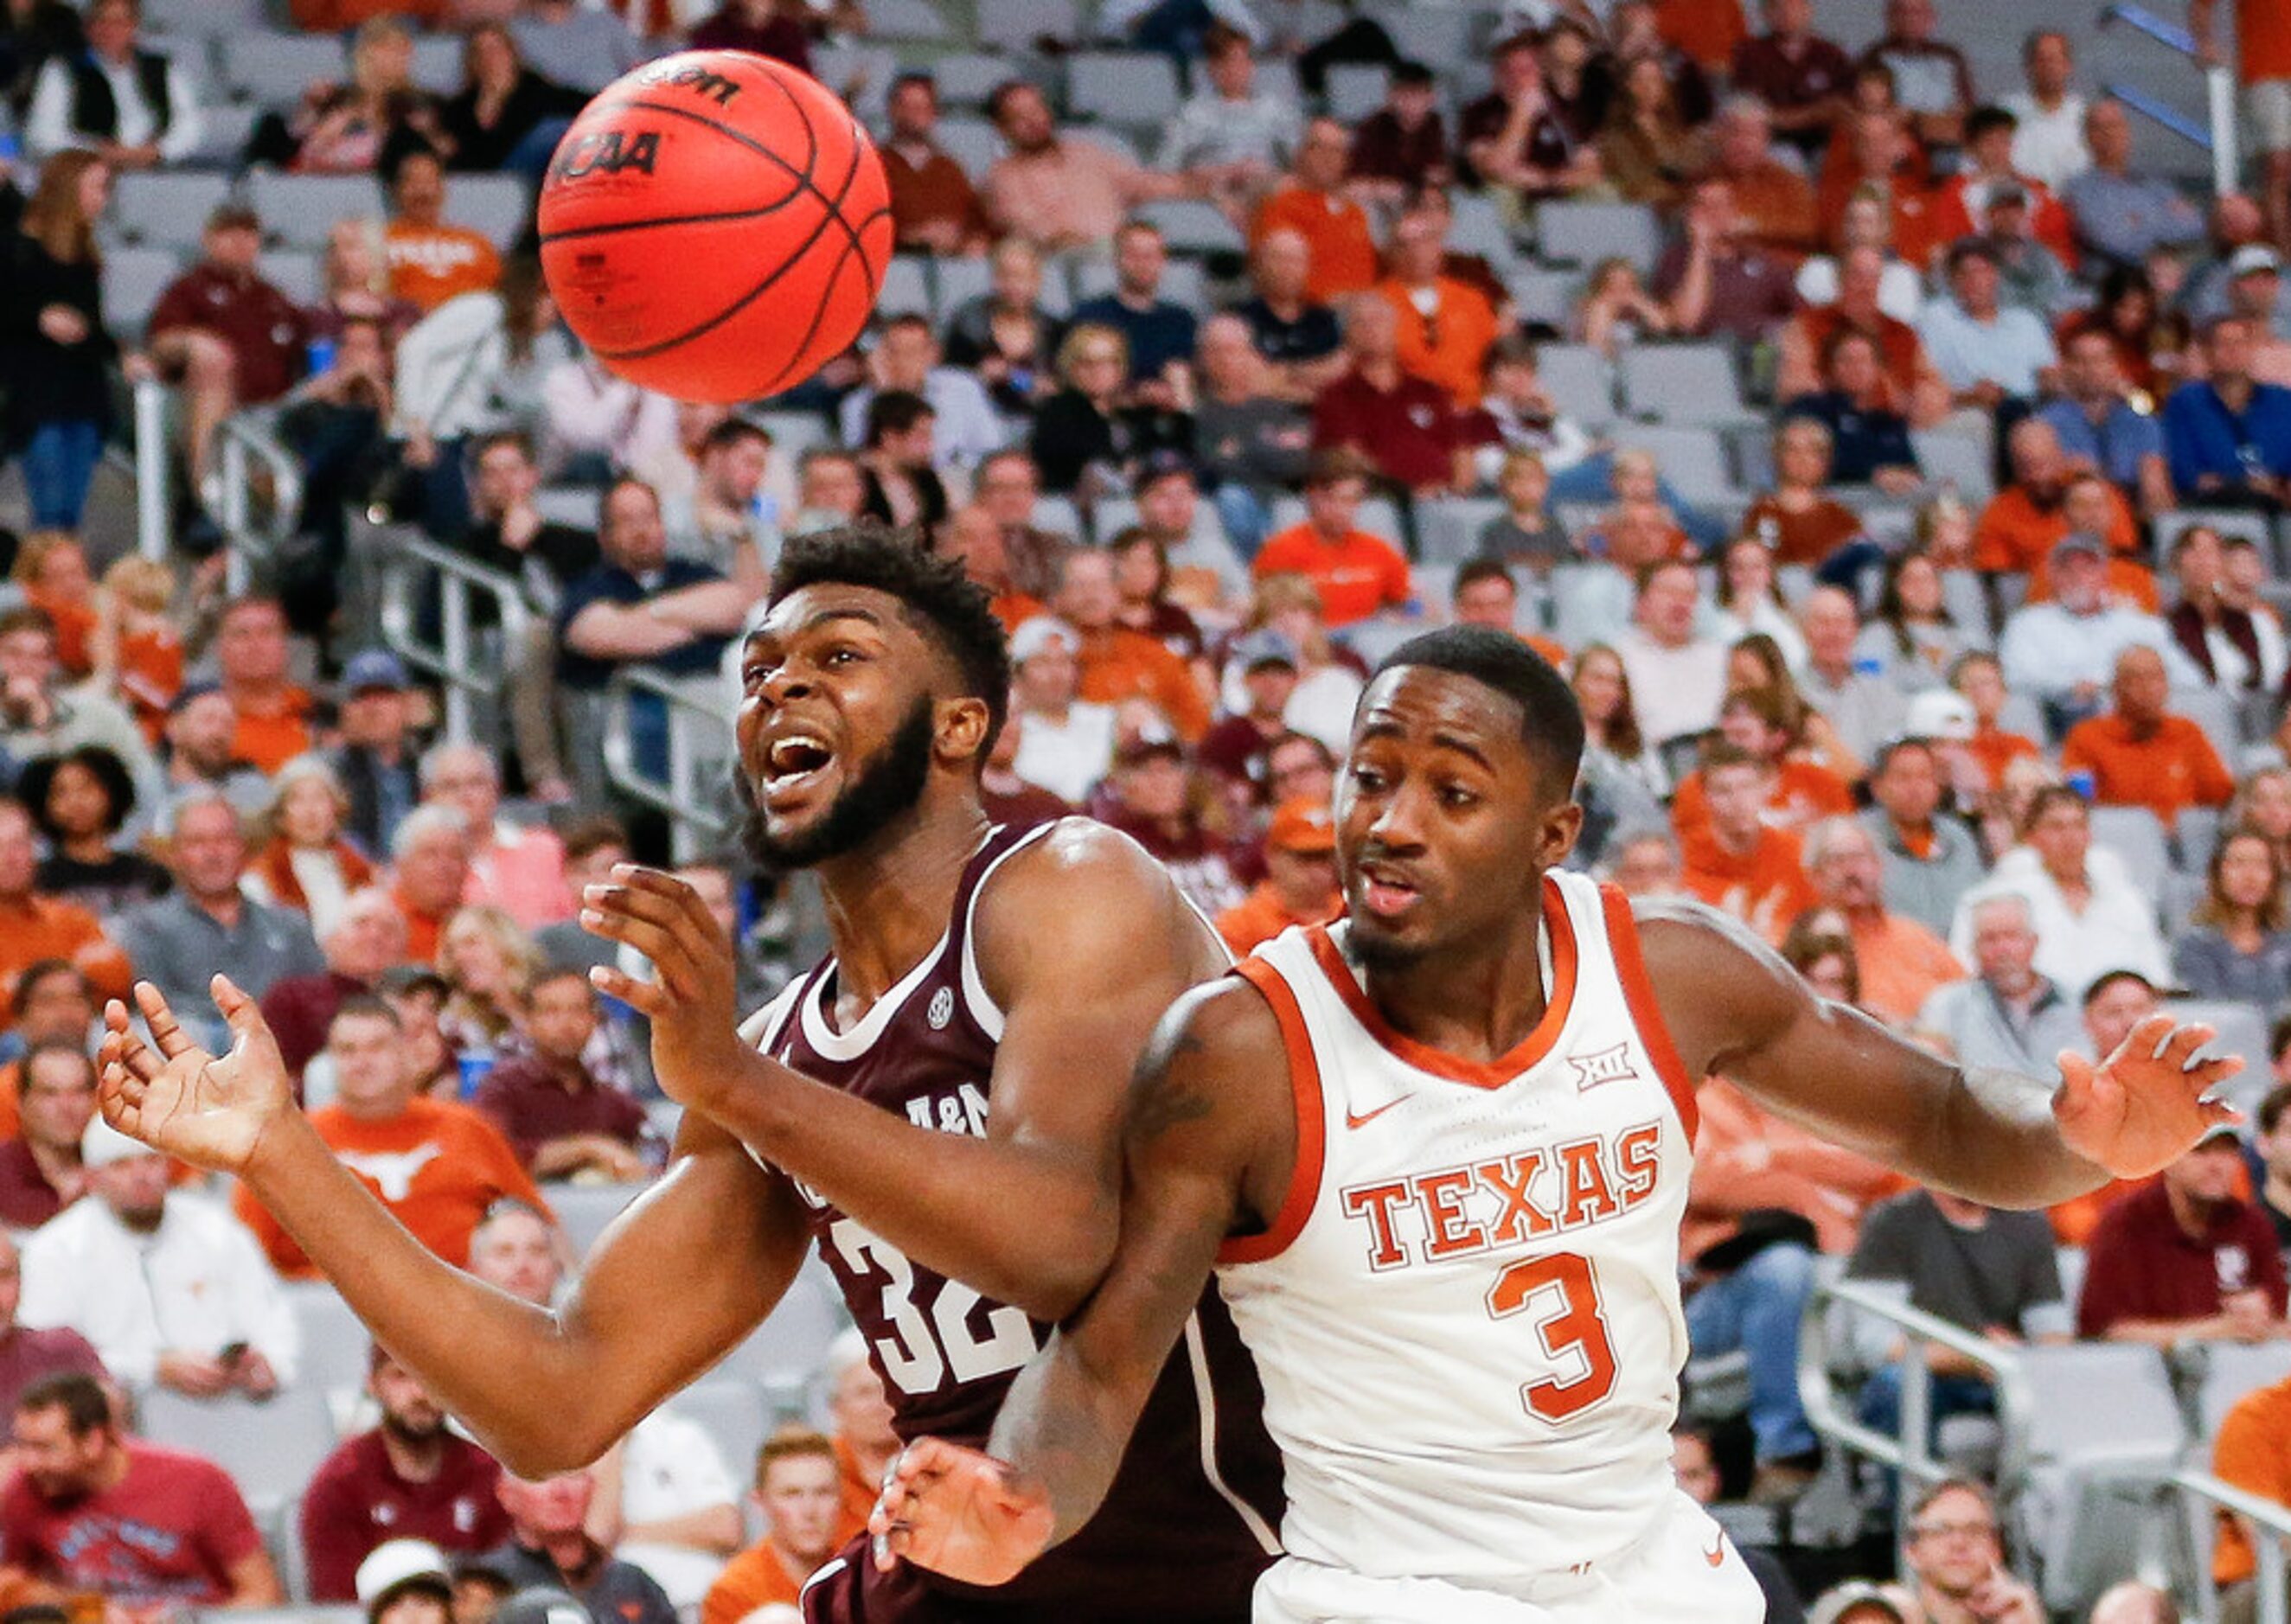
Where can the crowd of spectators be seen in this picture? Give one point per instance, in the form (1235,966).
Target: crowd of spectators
(1963,685)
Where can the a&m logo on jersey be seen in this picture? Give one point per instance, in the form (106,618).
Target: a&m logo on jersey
(1602,1066)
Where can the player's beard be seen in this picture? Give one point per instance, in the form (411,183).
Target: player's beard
(1376,953)
(886,786)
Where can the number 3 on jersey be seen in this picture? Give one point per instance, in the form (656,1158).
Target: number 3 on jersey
(926,1349)
(1573,1332)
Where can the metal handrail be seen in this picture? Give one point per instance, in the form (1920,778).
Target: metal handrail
(149,399)
(253,539)
(409,565)
(2221,139)
(2268,1523)
(698,716)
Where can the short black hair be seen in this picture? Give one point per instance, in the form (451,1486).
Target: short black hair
(1408,71)
(2278,1098)
(1984,120)
(100,763)
(942,602)
(895,411)
(86,1406)
(731,431)
(1551,722)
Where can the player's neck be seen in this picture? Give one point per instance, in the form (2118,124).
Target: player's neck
(1477,1002)
(888,904)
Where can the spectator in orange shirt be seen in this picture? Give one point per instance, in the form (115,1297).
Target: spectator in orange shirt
(1740,863)
(33,926)
(1446,326)
(430,857)
(1902,962)
(273,714)
(1314,206)
(430,260)
(1800,793)
(2094,506)
(799,1491)
(1963,201)
(436,1165)
(1118,664)
(1771,200)
(1358,574)
(1300,883)
(2140,754)
(1979,679)
(2022,523)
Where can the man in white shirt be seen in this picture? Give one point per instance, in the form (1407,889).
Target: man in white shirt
(1864,709)
(1985,349)
(2048,143)
(2089,917)
(1676,677)
(964,426)
(166,1286)
(1067,745)
(2065,652)
(1230,135)
(134,109)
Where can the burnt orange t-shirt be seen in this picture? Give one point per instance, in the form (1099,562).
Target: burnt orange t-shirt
(437,1166)
(37,928)
(1118,664)
(268,739)
(1995,751)
(1357,575)
(1806,538)
(1803,793)
(1446,347)
(2016,532)
(2175,767)
(75,624)
(1766,888)
(755,1577)
(2262,28)
(1336,229)
(431,264)
(2253,1451)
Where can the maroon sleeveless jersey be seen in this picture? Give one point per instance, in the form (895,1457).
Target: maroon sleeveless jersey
(1188,1524)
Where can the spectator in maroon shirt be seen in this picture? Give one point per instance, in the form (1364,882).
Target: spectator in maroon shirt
(1234,752)
(1802,79)
(2185,1258)
(93,1510)
(1152,803)
(1403,144)
(411,1478)
(368,937)
(27,1355)
(1720,281)
(934,209)
(227,336)
(558,1117)
(1407,429)
(40,1171)
(782,29)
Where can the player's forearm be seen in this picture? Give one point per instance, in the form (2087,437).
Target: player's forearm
(1064,1425)
(943,1198)
(1992,1138)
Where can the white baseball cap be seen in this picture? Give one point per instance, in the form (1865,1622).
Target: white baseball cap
(1939,714)
(391,1566)
(101,1145)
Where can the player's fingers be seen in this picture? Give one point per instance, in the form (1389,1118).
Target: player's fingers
(645,997)
(2181,1047)
(116,1015)
(662,908)
(925,1458)
(2147,1038)
(669,956)
(166,1032)
(2205,1074)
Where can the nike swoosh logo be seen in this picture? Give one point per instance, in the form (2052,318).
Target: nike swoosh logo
(1715,1555)
(1366,1117)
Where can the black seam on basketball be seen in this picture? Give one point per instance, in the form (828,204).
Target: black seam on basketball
(835,271)
(571,233)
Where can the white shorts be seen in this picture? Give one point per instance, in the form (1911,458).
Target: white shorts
(1685,1571)
(2267,105)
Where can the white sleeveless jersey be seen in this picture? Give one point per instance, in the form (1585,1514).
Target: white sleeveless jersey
(1467,1312)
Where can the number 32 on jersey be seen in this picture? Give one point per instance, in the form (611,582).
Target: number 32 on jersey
(926,1347)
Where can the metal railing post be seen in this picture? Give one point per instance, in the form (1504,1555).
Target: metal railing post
(455,642)
(2227,165)
(2219,138)
(152,539)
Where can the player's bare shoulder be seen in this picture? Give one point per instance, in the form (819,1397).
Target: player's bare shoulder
(1717,983)
(1213,1085)
(1081,890)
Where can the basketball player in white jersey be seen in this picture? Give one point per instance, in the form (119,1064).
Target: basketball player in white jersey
(1436,1157)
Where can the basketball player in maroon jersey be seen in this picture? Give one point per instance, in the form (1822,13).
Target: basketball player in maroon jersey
(938,1106)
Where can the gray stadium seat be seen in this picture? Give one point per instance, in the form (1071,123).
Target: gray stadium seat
(2242,1031)
(906,288)
(1961,594)
(1682,384)
(133,278)
(1194,226)
(299,210)
(1183,281)
(2232,1369)
(1015,25)
(1059,517)
(1448,528)
(2133,834)
(269,1447)
(584,1209)
(787,1349)
(1544,295)
(1134,90)
(2218,714)
(2194,838)
(1693,460)
(1585,233)
(302,1613)
(438,63)
(202,19)
(967,77)
(733,1414)
(335,1343)
(1954,459)
(1478,227)
(300,276)
(161,208)
(273,69)
(579,505)
(1356,89)
(955,283)
(916,20)
(224,137)
(497,205)
(1580,382)
(1437,35)
(972,142)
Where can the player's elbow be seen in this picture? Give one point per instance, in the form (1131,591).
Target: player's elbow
(1062,1282)
(539,1447)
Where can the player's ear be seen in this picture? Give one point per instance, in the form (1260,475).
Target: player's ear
(960,728)
(1563,825)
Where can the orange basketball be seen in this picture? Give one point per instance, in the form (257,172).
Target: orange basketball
(715,226)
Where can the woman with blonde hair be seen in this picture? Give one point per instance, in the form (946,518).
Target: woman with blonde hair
(139,641)
(359,125)
(354,279)
(303,862)
(51,570)
(1616,310)
(1090,436)
(57,355)
(1329,677)
(487,959)
(2236,946)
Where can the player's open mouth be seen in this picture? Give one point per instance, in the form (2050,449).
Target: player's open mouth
(794,763)
(1385,894)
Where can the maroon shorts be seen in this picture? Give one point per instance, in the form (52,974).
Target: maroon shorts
(851,1590)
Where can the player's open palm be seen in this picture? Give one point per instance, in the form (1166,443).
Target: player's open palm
(2143,1107)
(692,1000)
(960,1513)
(175,1096)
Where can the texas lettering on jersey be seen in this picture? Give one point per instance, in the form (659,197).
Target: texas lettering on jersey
(1485,1206)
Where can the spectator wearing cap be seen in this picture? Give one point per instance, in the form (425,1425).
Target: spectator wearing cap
(93,1510)
(366,937)
(1235,747)
(1902,962)
(1340,244)
(2120,218)
(1407,430)
(373,756)
(27,1355)
(438,1165)
(1403,144)
(405,1581)
(520,869)
(2254,292)
(2184,1259)
(195,754)
(1119,664)
(2226,434)
(208,926)
(1060,190)
(411,1479)
(549,1545)
(907,358)
(1358,574)
(2063,652)
(1929,858)
(1152,802)
(250,661)
(798,1489)
(226,334)
(134,108)
(2008,1014)
(2090,918)
(164,1284)
(934,209)
(1067,742)
(2139,754)
(34,927)
(559,1119)
(1299,887)
(41,716)
(40,1168)
(1986,351)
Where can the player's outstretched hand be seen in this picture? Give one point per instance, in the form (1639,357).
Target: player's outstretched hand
(180,1099)
(960,1513)
(2141,1108)
(693,1000)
